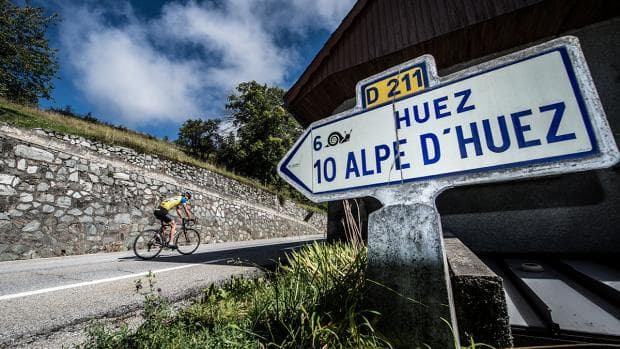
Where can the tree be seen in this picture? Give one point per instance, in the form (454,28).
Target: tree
(227,152)
(265,130)
(27,63)
(200,138)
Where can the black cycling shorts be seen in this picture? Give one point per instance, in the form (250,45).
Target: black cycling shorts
(162,215)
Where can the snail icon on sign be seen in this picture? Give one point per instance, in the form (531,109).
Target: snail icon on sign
(336,138)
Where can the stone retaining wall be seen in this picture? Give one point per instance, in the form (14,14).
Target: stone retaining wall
(62,195)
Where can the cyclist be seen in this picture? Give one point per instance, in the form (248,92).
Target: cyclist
(162,212)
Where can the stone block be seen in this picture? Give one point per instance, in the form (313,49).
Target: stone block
(19,249)
(32,169)
(74,177)
(5,190)
(91,229)
(67,219)
(6,179)
(93,178)
(88,187)
(31,226)
(33,153)
(122,218)
(64,202)
(121,176)
(86,219)
(7,257)
(43,186)
(46,197)
(479,298)
(21,164)
(23,207)
(25,197)
(75,212)
(47,209)
(25,187)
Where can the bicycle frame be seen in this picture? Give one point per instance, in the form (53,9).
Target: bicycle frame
(162,228)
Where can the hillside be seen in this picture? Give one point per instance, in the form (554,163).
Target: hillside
(29,118)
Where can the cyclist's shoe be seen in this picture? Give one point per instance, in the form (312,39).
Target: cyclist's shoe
(172,247)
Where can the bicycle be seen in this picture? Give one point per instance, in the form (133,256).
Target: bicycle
(149,243)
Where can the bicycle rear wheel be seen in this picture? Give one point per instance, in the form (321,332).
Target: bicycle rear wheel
(148,244)
(187,241)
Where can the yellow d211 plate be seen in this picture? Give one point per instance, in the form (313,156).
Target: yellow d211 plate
(395,86)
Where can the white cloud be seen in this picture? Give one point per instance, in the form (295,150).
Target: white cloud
(302,15)
(235,35)
(133,70)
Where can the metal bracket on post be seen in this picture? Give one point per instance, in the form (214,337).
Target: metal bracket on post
(408,270)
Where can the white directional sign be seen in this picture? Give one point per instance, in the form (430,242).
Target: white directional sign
(524,111)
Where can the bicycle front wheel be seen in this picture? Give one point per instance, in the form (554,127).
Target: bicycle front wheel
(147,244)
(187,241)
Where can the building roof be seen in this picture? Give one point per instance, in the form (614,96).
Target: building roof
(378,34)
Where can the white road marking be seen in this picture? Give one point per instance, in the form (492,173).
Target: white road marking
(218,260)
(88,283)
(292,248)
(94,282)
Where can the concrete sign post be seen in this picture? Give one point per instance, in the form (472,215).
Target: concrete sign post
(413,134)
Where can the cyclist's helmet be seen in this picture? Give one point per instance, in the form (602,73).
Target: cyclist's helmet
(188,194)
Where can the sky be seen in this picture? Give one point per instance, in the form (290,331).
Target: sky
(150,65)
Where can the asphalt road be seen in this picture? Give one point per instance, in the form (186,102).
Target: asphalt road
(41,296)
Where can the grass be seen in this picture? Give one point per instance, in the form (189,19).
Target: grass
(28,117)
(315,300)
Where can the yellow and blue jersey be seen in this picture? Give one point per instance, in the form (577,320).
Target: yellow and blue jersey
(173,202)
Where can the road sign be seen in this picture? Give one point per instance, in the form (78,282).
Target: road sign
(535,110)
(532,113)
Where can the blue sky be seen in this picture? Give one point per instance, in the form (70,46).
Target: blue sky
(151,64)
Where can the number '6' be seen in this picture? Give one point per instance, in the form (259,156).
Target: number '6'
(317,143)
